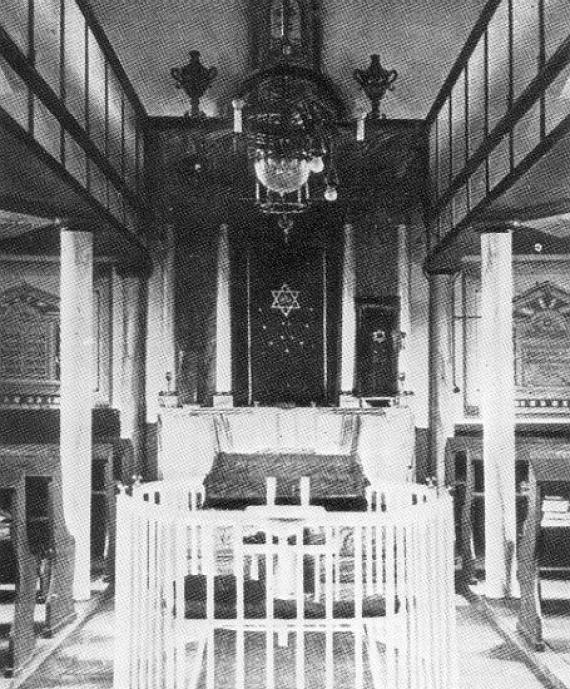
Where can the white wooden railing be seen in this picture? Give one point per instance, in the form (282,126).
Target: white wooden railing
(197,589)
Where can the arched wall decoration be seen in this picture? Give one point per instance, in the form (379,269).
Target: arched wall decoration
(29,346)
(542,342)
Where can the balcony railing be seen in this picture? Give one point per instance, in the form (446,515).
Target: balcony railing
(508,93)
(62,83)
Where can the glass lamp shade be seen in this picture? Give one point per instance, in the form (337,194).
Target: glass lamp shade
(317,164)
(282,175)
(331,193)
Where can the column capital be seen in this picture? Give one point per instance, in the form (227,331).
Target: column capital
(74,225)
(497,227)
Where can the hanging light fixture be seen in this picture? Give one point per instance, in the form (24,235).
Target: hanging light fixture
(288,119)
(287,110)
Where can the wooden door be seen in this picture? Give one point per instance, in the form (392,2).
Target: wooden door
(377,349)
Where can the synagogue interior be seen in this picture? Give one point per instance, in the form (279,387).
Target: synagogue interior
(282,262)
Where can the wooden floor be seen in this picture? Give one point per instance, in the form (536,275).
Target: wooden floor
(556,624)
(85,659)
(285,662)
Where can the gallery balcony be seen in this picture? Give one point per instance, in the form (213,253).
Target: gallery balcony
(71,125)
(499,130)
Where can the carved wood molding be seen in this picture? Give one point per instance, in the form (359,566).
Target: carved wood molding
(542,342)
(26,295)
(29,323)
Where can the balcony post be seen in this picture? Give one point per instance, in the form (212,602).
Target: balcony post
(76,401)
(440,420)
(498,411)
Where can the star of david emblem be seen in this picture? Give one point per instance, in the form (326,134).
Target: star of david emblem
(285,299)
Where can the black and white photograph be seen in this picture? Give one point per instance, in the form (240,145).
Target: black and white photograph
(284,344)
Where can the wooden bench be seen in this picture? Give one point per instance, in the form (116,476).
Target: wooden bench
(46,535)
(17,561)
(548,476)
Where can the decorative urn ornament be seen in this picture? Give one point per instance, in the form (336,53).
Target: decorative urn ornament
(375,81)
(194,79)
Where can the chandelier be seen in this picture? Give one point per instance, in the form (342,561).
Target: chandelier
(288,112)
(288,119)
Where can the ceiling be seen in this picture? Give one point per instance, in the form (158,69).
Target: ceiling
(419,38)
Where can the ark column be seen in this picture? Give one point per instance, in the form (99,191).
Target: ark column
(161,363)
(223,396)
(348,322)
(133,397)
(439,380)
(76,352)
(498,411)
(405,309)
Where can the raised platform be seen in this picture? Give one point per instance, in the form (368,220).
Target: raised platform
(242,477)
(381,440)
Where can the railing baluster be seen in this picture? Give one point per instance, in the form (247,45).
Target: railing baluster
(390,597)
(181,569)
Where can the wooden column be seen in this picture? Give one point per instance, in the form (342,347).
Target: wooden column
(439,423)
(156,363)
(348,322)
(498,412)
(223,384)
(160,350)
(118,339)
(169,303)
(76,361)
(405,307)
(133,394)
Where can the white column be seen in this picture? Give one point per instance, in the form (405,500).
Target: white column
(155,356)
(76,290)
(128,415)
(118,322)
(161,356)
(133,396)
(405,307)
(223,391)
(498,413)
(440,425)
(348,321)
(168,306)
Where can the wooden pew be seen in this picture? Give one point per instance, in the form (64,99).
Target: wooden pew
(548,475)
(56,544)
(460,475)
(22,633)
(113,463)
